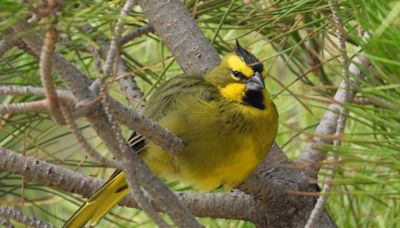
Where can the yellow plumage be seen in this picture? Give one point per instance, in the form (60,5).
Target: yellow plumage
(226,120)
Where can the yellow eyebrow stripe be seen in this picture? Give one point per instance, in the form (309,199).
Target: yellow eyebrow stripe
(235,63)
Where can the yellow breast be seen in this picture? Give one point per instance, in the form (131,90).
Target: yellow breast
(214,155)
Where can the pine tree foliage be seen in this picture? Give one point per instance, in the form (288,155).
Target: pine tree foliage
(296,40)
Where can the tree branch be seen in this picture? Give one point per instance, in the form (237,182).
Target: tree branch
(124,115)
(125,150)
(135,33)
(45,63)
(17,215)
(7,44)
(33,90)
(233,205)
(31,106)
(313,154)
(128,85)
(125,78)
(6,222)
(133,166)
(230,205)
(82,141)
(78,84)
(114,45)
(179,31)
(341,121)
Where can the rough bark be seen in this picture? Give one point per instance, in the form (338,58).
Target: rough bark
(178,30)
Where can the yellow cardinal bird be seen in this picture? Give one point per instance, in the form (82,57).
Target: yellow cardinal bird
(226,120)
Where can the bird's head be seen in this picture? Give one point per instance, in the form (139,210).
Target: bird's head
(239,78)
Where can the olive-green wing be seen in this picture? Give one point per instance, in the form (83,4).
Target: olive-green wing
(166,98)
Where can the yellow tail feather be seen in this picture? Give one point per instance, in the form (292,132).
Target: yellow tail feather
(101,202)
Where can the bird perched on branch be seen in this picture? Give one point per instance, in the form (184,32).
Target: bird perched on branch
(226,120)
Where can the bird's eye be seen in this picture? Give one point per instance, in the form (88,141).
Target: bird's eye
(237,74)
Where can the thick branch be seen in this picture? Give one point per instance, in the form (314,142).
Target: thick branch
(178,30)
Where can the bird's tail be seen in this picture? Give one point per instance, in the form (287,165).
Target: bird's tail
(101,202)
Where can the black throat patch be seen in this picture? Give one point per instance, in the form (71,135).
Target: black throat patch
(254,98)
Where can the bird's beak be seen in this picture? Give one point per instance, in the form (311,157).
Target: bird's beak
(255,83)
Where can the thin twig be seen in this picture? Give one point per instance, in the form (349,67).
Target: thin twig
(82,141)
(340,34)
(45,64)
(31,106)
(128,85)
(33,90)
(96,58)
(125,77)
(114,45)
(13,213)
(135,33)
(376,101)
(107,72)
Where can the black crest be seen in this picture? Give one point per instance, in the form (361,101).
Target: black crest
(249,58)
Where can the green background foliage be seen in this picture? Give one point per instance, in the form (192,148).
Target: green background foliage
(297,42)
